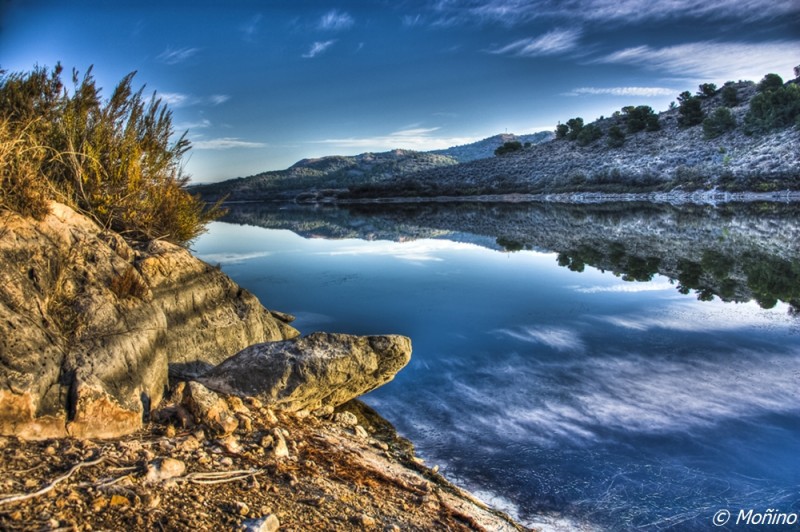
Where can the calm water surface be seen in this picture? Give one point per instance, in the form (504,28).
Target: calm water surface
(572,400)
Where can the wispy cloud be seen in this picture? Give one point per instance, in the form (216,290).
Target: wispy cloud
(411,21)
(644,92)
(317,48)
(202,124)
(712,61)
(335,21)
(225,143)
(553,42)
(181,99)
(559,339)
(517,12)
(173,57)
(410,139)
(251,27)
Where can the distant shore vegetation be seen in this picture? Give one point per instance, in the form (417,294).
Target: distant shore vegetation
(116,160)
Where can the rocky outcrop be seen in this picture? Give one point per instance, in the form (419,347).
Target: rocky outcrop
(91,327)
(319,370)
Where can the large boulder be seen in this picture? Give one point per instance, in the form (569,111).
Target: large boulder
(308,373)
(90,327)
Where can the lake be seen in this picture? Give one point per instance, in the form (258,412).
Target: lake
(583,367)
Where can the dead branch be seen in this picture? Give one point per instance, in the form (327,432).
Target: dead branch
(49,487)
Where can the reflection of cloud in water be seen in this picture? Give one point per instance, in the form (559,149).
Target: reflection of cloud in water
(232,258)
(689,317)
(415,250)
(579,400)
(652,286)
(557,338)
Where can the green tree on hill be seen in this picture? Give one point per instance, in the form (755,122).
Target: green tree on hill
(730,98)
(720,121)
(640,118)
(508,147)
(616,137)
(775,106)
(575,126)
(690,109)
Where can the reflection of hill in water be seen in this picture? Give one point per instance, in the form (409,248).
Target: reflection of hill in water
(735,252)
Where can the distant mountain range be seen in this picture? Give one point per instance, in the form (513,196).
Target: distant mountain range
(744,137)
(310,177)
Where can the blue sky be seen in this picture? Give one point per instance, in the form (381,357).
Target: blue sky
(260,85)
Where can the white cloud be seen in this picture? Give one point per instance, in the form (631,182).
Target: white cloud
(644,92)
(317,48)
(225,143)
(424,250)
(180,99)
(517,12)
(202,124)
(557,338)
(713,61)
(232,257)
(553,42)
(173,57)
(408,139)
(653,286)
(335,21)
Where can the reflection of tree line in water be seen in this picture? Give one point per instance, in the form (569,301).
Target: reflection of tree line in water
(736,252)
(767,279)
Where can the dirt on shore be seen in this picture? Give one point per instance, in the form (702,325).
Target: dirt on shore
(343,470)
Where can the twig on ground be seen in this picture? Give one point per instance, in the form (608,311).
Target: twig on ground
(49,487)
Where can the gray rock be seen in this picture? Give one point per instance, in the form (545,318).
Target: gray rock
(267,523)
(311,372)
(90,327)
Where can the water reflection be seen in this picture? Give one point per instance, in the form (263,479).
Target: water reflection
(590,401)
(734,252)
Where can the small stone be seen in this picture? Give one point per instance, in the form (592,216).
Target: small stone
(170,431)
(268,523)
(241,508)
(31,483)
(361,432)
(245,423)
(237,405)
(50,450)
(323,411)
(119,500)
(189,444)
(382,445)
(279,447)
(348,419)
(152,501)
(230,444)
(226,461)
(99,503)
(163,469)
(266,441)
(269,416)
(364,520)
(253,403)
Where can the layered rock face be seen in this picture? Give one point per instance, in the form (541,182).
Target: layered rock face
(319,370)
(90,327)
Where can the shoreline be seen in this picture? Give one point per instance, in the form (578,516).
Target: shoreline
(709,197)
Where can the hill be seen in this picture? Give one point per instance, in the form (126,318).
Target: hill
(308,176)
(756,151)
(743,137)
(313,179)
(486,147)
